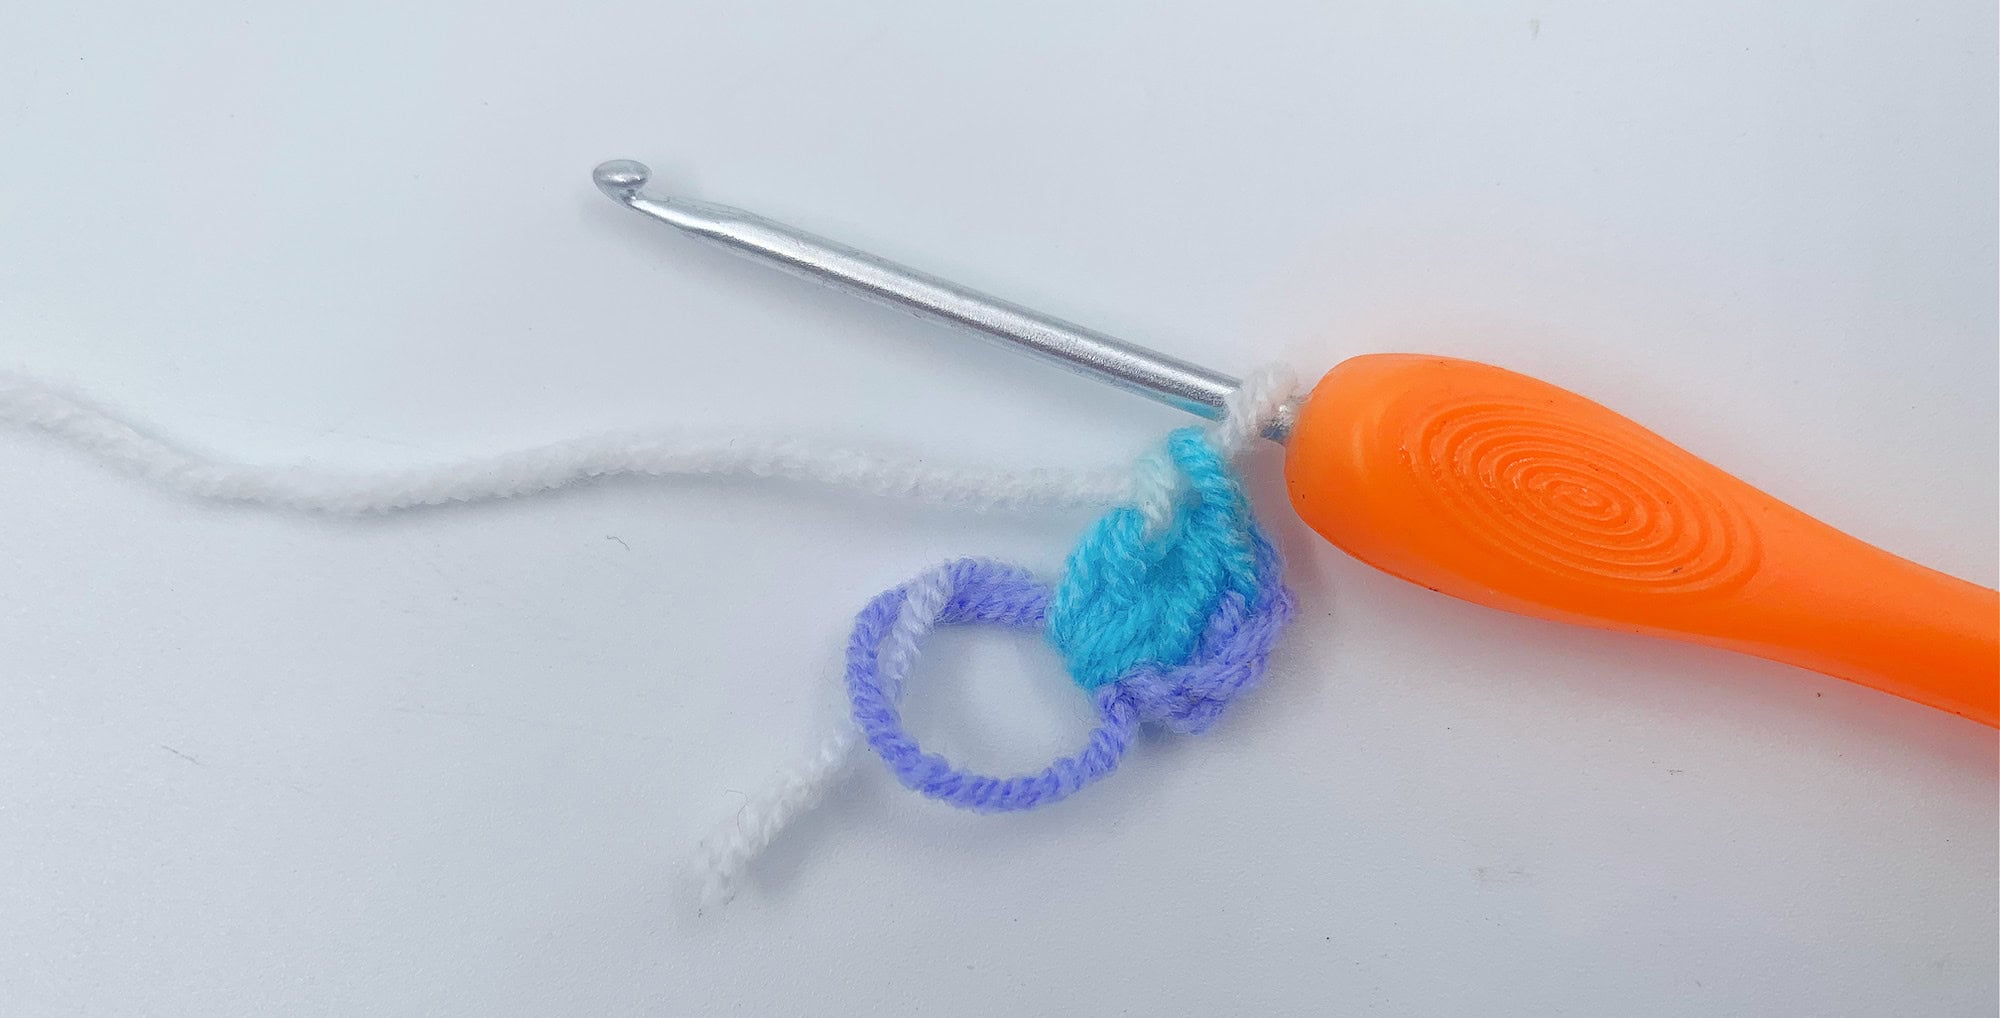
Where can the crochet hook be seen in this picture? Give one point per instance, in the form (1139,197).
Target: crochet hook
(1493,487)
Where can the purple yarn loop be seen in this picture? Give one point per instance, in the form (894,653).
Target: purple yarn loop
(1229,659)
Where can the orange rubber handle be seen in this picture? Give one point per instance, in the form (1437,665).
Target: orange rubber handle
(1493,487)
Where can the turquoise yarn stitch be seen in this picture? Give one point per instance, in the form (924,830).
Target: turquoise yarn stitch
(1129,599)
(1167,613)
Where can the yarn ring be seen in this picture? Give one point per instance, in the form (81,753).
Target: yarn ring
(964,591)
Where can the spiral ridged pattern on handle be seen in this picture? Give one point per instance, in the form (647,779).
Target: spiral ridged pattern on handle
(1565,499)
(1488,485)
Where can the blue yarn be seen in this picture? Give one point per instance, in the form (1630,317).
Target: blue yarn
(1128,598)
(1167,628)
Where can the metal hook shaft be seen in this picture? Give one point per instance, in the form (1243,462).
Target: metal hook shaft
(1169,380)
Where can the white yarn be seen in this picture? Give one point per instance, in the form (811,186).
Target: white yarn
(108,436)
(722,857)
(1257,401)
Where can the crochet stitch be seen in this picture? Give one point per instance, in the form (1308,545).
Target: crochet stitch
(1232,649)
(1167,611)
(1131,595)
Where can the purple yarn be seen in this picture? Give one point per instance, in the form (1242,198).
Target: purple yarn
(981,591)
(1229,659)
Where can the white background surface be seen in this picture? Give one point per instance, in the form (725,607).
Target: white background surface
(445,763)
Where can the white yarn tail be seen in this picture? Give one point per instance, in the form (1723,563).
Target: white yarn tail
(723,856)
(109,437)
(726,853)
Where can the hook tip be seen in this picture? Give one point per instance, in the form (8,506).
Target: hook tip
(621,178)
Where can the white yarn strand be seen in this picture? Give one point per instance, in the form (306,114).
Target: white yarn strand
(1254,406)
(116,441)
(722,857)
